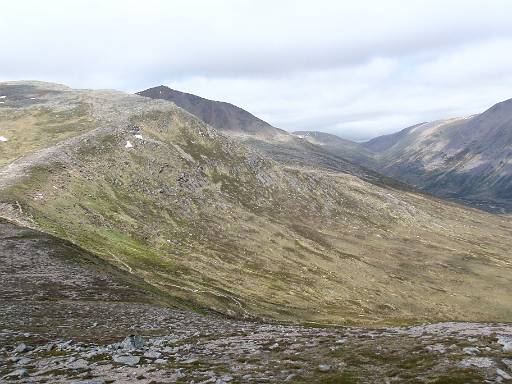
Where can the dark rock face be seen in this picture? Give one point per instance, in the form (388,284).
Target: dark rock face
(220,115)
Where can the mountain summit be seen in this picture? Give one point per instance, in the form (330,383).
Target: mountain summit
(220,115)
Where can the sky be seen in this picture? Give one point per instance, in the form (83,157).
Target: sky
(357,69)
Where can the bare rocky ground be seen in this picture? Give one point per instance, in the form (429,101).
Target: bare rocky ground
(69,317)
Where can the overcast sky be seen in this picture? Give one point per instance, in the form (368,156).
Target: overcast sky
(358,69)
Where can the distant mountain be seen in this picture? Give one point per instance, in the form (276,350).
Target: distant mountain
(210,222)
(218,114)
(467,159)
(347,149)
(463,158)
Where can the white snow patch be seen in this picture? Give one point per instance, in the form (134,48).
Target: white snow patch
(3,97)
(128,144)
(138,136)
(32,98)
(3,138)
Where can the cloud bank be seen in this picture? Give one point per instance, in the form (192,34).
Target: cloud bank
(357,70)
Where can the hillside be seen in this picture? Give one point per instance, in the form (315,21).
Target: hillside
(462,158)
(333,144)
(249,130)
(67,317)
(150,188)
(468,160)
(218,114)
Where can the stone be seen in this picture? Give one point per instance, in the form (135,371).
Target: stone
(503,374)
(17,374)
(64,345)
(479,362)
(324,367)
(132,342)
(126,359)
(78,364)
(91,354)
(23,361)
(152,354)
(92,381)
(160,361)
(192,360)
(471,350)
(437,348)
(506,342)
(21,348)
(176,376)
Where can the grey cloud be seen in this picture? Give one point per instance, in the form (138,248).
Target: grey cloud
(354,69)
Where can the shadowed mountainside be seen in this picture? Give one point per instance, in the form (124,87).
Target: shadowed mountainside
(218,114)
(465,159)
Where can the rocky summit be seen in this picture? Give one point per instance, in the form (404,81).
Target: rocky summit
(140,244)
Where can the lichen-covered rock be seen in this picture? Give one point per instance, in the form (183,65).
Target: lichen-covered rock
(126,359)
(132,342)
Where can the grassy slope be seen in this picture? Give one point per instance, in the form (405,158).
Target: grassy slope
(210,221)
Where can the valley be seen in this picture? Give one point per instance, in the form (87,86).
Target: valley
(235,257)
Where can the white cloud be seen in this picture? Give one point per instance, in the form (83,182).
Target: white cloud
(356,69)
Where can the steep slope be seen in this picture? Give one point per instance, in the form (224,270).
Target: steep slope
(463,158)
(218,114)
(384,142)
(150,188)
(66,317)
(259,135)
(48,282)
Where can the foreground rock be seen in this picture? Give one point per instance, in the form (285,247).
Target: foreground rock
(185,347)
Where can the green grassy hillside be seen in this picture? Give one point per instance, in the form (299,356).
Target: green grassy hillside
(152,189)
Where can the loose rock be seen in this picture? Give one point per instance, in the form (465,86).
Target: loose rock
(127,359)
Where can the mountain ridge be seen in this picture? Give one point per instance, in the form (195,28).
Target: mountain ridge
(218,114)
(210,221)
(466,159)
